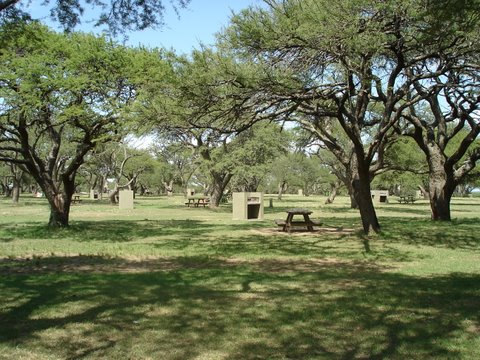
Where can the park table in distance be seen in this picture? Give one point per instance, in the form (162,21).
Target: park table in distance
(196,201)
(76,199)
(289,222)
(406,199)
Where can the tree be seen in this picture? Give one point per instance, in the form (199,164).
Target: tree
(306,173)
(127,164)
(336,175)
(448,137)
(97,167)
(469,183)
(351,62)
(253,153)
(280,173)
(179,162)
(335,151)
(142,163)
(405,168)
(62,95)
(446,123)
(13,175)
(119,16)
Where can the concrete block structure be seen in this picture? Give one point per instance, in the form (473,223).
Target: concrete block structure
(125,199)
(247,206)
(379,196)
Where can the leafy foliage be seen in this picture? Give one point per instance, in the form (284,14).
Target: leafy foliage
(119,16)
(62,96)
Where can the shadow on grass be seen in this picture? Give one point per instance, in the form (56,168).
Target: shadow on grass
(413,209)
(198,307)
(232,239)
(457,234)
(282,208)
(107,230)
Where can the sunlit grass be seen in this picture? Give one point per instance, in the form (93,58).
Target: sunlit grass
(164,281)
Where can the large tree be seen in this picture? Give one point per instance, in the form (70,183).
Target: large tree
(446,123)
(447,134)
(61,96)
(352,62)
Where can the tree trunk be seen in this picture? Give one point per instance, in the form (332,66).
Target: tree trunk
(216,196)
(219,183)
(8,192)
(351,174)
(15,192)
(424,192)
(441,190)
(59,203)
(353,201)
(282,187)
(168,188)
(333,191)
(113,196)
(361,188)
(440,205)
(17,175)
(441,184)
(58,218)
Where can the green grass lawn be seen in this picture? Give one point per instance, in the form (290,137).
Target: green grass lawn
(164,281)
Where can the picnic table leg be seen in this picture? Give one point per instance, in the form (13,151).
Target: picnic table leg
(288,223)
(306,218)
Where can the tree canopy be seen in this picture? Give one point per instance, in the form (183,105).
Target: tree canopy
(62,95)
(118,16)
(361,64)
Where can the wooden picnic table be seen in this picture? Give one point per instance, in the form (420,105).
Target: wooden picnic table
(405,199)
(196,201)
(76,199)
(289,223)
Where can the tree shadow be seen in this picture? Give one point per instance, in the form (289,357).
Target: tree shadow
(108,230)
(457,234)
(413,209)
(273,309)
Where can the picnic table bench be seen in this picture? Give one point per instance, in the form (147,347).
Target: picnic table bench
(289,223)
(76,199)
(197,201)
(406,199)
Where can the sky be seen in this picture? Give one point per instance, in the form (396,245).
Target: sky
(194,25)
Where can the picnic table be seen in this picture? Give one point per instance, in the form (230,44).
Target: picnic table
(196,201)
(289,223)
(76,199)
(405,199)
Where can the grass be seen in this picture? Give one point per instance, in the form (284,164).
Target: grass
(164,281)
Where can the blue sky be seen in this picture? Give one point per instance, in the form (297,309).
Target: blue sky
(196,24)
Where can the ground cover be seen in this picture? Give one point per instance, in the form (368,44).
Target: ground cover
(166,281)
